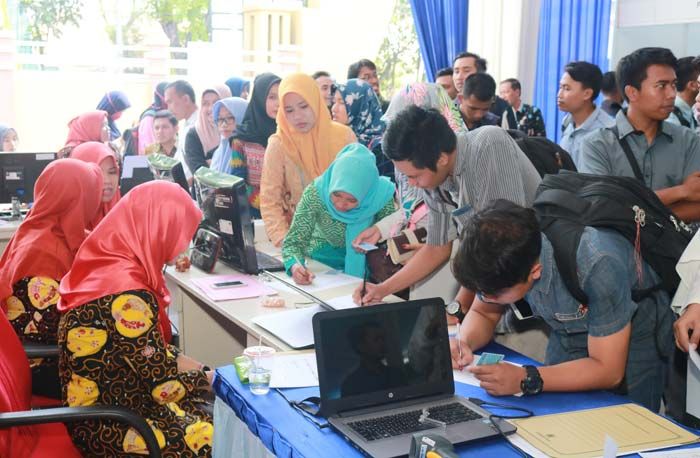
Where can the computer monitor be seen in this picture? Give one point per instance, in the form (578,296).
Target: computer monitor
(137,170)
(169,169)
(19,172)
(223,200)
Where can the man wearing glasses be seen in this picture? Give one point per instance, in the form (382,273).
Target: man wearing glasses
(609,343)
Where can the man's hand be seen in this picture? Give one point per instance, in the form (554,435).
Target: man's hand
(301,275)
(688,323)
(499,379)
(461,354)
(370,235)
(373,294)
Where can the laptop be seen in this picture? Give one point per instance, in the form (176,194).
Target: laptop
(385,373)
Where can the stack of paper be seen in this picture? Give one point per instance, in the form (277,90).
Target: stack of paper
(251,288)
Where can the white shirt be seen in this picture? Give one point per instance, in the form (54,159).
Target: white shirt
(180,153)
(688,269)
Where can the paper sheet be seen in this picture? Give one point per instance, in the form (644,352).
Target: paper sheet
(342,302)
(685,453)
(581,434)
(330,279)
(464,376)
(292,326)
(294,370)
(692,405)
(252,287)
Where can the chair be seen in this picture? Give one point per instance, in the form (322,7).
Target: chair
(41,433)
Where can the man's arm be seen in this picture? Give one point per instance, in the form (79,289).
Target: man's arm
(475,332)
(423,263)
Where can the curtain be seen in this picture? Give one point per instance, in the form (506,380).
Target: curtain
(570,30)
(441,26)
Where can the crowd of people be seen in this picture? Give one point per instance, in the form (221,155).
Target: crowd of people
(330,167)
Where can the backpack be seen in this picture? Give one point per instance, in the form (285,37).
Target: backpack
(545,155)
(568,202)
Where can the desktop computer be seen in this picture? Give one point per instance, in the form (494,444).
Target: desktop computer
(224,202)
(19,172)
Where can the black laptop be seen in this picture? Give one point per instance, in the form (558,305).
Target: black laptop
(385,373)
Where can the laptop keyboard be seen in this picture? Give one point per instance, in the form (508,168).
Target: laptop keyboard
(408,422)
(267,262)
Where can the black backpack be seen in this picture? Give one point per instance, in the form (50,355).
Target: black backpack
(545,155)
(568,202)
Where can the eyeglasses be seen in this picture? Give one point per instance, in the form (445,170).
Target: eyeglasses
(228,120)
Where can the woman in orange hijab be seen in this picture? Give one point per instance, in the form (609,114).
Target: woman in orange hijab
(67,196)
(103,156)
(112,345)
(91,126)
(305,144)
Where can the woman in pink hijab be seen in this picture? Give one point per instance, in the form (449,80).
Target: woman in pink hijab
(91,126)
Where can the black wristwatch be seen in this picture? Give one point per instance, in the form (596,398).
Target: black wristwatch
(454,309)
(532,383)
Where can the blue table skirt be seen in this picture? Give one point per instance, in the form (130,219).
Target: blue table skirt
(287,433)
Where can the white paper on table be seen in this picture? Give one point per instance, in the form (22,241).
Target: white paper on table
(609,447)
(692,402)
(292,326)
(464,376)
(294,371)
(684,453)
(330,279)
(131,163)
(342,302)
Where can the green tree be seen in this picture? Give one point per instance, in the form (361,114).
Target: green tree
(48,17)
(399,53)
(130,13)
(182,20)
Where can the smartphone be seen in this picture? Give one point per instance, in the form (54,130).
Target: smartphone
(522,310)
(367,246)
(227,284)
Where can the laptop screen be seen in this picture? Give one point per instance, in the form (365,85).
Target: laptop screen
(384,353)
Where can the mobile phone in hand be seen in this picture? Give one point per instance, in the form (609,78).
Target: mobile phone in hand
(227,284)
(367,246)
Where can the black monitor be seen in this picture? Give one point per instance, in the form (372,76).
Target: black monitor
(19,172)
(223,200)
(137,170)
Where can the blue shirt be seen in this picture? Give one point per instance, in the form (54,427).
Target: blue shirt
(607,274)
(572,136)
(672,156)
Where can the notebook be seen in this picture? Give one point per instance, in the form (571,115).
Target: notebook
(385,373)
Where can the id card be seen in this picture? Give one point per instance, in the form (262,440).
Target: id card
(486,359)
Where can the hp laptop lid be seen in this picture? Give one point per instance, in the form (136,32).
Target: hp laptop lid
(391,360)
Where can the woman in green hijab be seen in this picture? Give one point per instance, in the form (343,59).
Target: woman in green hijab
(345,200)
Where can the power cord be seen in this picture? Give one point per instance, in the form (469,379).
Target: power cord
(526,413)
(305,410)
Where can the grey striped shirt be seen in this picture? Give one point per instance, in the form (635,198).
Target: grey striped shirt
(489,166)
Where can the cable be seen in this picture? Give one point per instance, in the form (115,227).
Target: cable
(526,413)
(300,406)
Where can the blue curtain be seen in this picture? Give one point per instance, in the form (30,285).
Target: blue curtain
(441,26)
(570,30)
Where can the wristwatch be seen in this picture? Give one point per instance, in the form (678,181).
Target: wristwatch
(454,308)
(532,383)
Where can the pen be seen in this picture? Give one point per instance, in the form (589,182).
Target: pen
(364,284)
(459,345)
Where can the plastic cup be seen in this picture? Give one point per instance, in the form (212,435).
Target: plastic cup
(260,371)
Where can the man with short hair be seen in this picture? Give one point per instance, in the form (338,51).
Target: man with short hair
(458,173)
(467,64)
(529,118)
(365,69)
(665,156)
(179,96)
(165,133)
(578,88)
(612,342)
(687,72)
(325,84)
(612,99)
(477,96)
(444,79)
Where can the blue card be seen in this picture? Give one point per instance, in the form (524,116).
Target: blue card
(486,359)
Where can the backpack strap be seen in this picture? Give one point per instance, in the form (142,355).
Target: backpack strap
(679,114)
(628,153)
